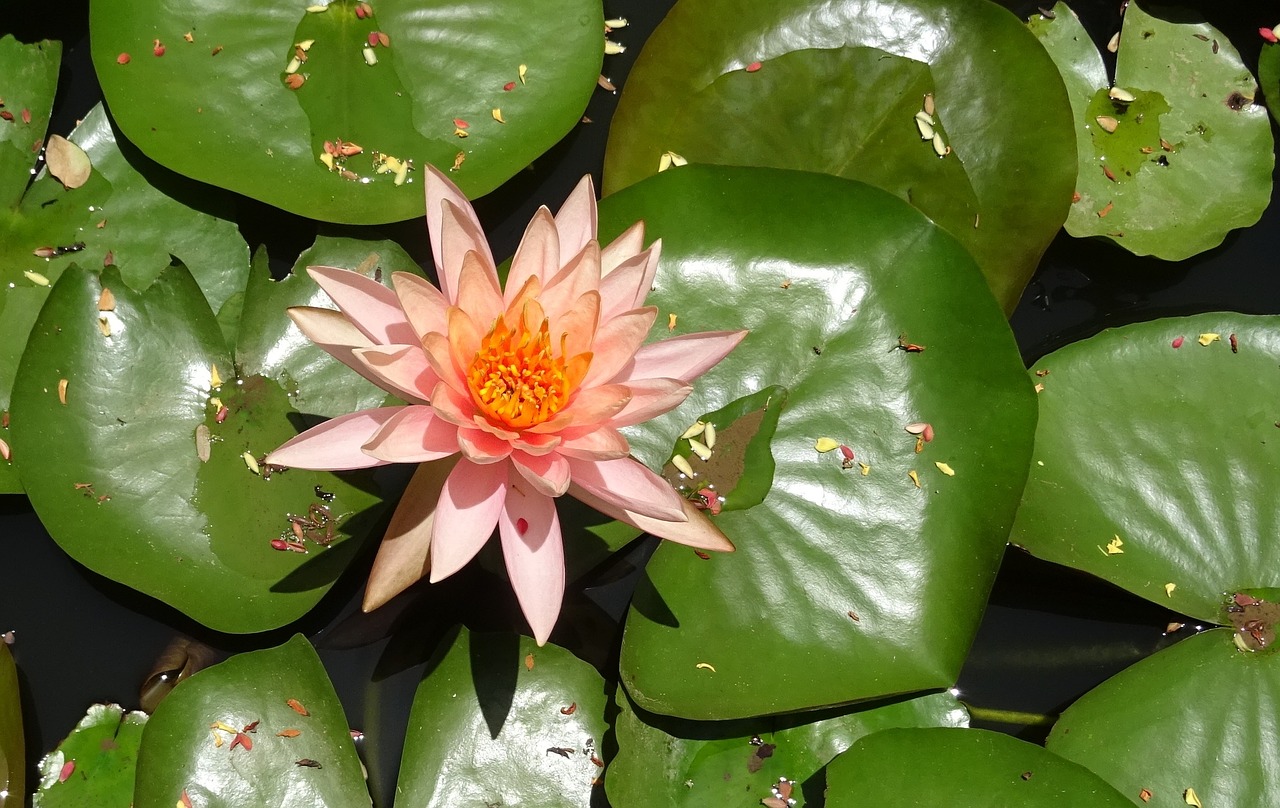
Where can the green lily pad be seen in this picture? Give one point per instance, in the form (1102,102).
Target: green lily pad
(964,768)
(130,496)
(318,765)
(1269,76)
(1189,159)
(13,762)
(836,91)
(217,108)
(147,214)
(499,721)
(1154,465)
(844,586)
(670,763)
(28,78)
(1197,715)
(95,764)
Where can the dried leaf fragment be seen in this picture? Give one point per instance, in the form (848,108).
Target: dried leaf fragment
(289,733)
(296,706)
(1145,795)
(915,478)
(945,469)
(62,391)
(204,441)
(1191,798)
(528,662)
(106,300)
(497,114)
(67,161)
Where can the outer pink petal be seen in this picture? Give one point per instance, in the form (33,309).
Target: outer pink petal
(616,342)
(649,399)
(535,443)
(440,356)
(465,234)
(335,444)
(538,255)
(594,443)
(630,243)
(468,509)
(581,274)
(685,357)
(548,473)
(454,407)
(574,332)
(413,435)
(478,292)
(370,306)
(402,369)
(620,289)
(696,531)
(481,447)
(576,219)
(328,328)
(423,304)
(534,552)
(628,484)
(403,556)
(592,405)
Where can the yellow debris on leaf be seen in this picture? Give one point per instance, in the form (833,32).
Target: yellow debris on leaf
(915,478)
(1191,798)
(865,469)
(523,70)
(671,321)
(35,277)
(1113,546)
(1168,589)
(215,380)
(497,114)
(1208,339)
(251,462)
(825,445)
(945,469)
(706,665)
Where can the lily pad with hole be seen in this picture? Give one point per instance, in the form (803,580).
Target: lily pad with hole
(670,763)
(1197,717)
(13,762)
(95,764)
(1155,466)
(1189,159)
(262,728)
(964,768)
(131,212)
(496,720)
(207,90)
(848,584)
(159,432)
(835,88)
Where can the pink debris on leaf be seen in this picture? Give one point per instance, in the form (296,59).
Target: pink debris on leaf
(753,67)
(1177,342)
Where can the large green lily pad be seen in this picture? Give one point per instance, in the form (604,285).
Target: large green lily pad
(497,720)
(130,496)
(844,586)
(298,753)
(1155,466)
(28,78)
(837,89)
(13,762)
(217,107)
(130,211)
(1189,159)
(1199,715)
(95,764)
(670,763)
(962,768)
(1269,76)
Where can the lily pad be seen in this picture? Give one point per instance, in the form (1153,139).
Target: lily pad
(131,212)
(1188,160)
(28,78)
(845,586)
(95,764)
(499,721)
(670,763)
(1197,715)
(13,762)
(202,88)
(131,401)
(1155,465)
(963,768)
(1269,76)
(835,88)
(278,737)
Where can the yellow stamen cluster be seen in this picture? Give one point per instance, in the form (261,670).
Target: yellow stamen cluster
(515,379)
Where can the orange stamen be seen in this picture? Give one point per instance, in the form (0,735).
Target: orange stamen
(515,379)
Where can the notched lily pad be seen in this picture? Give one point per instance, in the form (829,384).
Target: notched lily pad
(1170,172)
(95,764)
(28,78)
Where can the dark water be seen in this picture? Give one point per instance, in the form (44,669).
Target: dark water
(1049,635)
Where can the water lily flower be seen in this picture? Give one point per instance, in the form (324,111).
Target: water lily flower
(515,396)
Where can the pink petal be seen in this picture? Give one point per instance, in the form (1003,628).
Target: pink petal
(685,357)
(402,369)
(335,444)
(548,473)
(481,447)
(413,435)
(326,327)
(649,399)
(468,509)
(594,443)
(423,304)
(627,286)
(440,189)
(592,405)
(538,255)
(581,274)
(697,531)
(454,407)
(370,306)
(630,243)
(628,484)
(534,552)
(574,332)
(616,343)
(478,292)
(403,556)
(460,234)
(576,219)
(534,443)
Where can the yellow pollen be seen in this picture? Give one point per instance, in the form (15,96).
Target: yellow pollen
(515,379)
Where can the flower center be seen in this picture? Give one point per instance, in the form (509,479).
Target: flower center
(515,379)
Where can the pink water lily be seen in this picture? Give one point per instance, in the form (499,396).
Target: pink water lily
(516,396)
